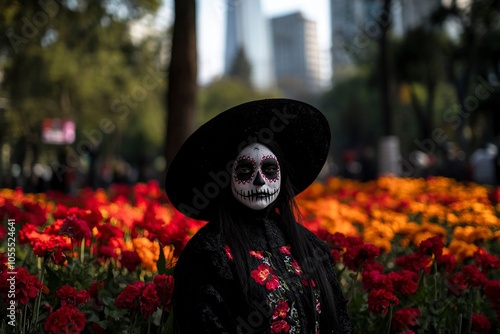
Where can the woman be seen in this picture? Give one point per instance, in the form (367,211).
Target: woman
(253,268)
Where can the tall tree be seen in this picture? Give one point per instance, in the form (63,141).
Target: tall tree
(473,59)
(182,78)
(420,59)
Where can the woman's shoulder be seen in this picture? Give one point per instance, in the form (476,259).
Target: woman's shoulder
(206,239)
(203,252)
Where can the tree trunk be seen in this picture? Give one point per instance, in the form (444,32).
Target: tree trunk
(384,21)
(182,78)
(388,146)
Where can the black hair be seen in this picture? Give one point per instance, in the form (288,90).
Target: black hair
(301,248)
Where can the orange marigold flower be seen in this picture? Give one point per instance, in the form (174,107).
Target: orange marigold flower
(462,250)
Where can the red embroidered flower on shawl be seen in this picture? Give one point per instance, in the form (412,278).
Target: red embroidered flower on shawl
(281,310)
(264,275)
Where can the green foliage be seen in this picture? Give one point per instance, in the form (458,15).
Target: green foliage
(241,68)
(225,93)
(353,111)
(77,60)
(420,55)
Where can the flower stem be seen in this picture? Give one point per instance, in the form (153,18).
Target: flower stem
(82,250)
(23,317)
(351,289)
(435,281)
(390,319)
(38,300)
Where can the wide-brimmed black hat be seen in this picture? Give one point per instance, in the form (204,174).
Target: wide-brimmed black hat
(201,170)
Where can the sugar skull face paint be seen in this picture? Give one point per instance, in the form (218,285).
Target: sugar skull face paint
(256,178)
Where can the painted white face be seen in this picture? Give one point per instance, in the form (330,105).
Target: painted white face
(256,178)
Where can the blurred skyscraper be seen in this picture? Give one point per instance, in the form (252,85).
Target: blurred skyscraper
(296,55)
(248,30)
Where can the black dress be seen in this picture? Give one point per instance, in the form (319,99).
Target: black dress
(208,297)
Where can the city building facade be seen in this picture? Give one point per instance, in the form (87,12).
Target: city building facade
(296,55)
(248,30)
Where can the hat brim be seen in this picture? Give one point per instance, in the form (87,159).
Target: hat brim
(201,169)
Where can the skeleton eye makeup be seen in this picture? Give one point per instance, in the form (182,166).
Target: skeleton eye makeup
(244,169)
(270,169)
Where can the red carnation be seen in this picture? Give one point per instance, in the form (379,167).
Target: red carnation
(432,246)
(480,324)
(337,240)
(486,261)
(492,291)
(404,281)
(75,228)
(405,317)
(374,279)
(68,295)
(164,290)
(44,242)
(67,319)
(473,276)
(335,254)
(414,262)
(456,283)
(107,252)
(27,286)
(379,300)
(373,266)
(447,262)
(126,299)
(356,255)
(353,241)
(148,301)
(139,295)
(130,260)
(58,257)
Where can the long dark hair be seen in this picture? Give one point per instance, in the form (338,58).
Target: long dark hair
(301,247)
